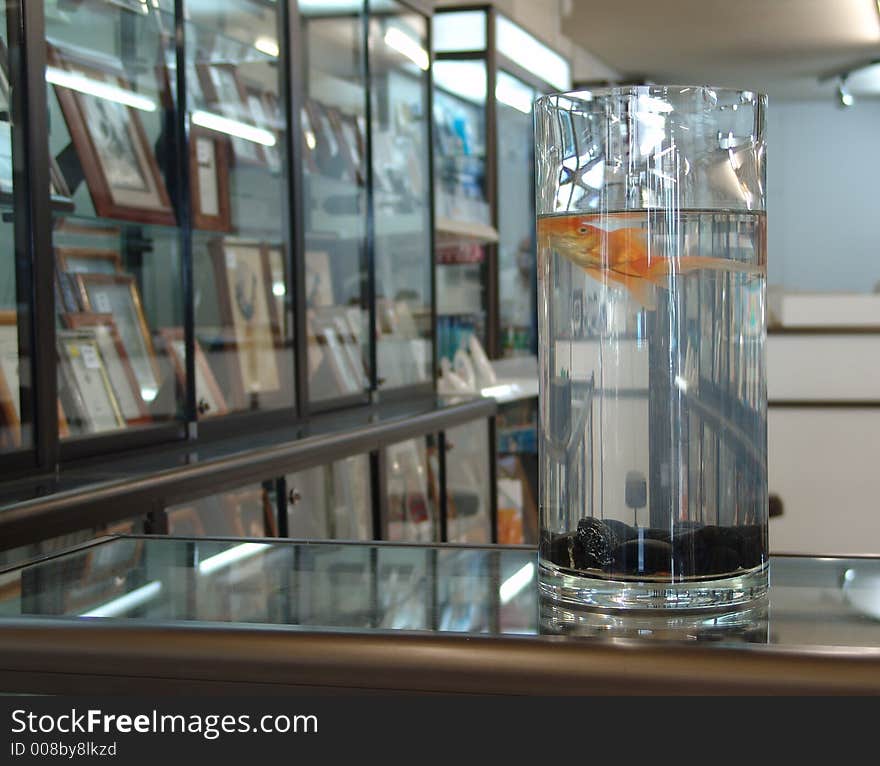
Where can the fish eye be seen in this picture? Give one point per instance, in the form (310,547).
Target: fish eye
(582,230)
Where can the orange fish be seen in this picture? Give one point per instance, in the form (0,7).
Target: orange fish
(623,256)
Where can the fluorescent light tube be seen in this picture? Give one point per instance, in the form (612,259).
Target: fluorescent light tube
(81,83)
(230,556)
(233,127)
(267,45)
(406,46)
(129,601)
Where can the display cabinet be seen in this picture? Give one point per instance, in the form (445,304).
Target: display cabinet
(193,615)
(399,471)
(218,221)
(487,72)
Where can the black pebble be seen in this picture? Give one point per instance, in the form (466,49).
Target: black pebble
(691,553)
(656,556)
(650,533)
(622,531)
(722,560)
(594,544)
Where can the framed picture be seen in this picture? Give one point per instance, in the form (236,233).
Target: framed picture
(116,362)
(278,274)
(117,294)
(118,162)
(329,156)
(83,375)
(327,351)
(266,115)
(209,397)
(185,522)
(319,279)
(348,136)
(249,314)
(88,260)
(224,91)
(209,171)
(10,403)
(337,318)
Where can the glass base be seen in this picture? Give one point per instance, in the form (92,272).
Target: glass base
(722,593)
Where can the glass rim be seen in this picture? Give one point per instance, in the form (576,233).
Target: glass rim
(611,91)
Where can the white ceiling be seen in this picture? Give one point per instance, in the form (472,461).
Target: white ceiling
(780,47)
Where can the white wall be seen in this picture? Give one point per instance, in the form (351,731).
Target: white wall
(823,206)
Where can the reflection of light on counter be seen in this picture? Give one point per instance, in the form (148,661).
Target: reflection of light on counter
(233,128)
(109,92)
(279,289)
(148,394)
(234,555)
(121,605)
(267,45)
(512,586)
(406,46)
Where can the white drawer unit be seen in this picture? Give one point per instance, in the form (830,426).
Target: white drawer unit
(822,367)
(824,464)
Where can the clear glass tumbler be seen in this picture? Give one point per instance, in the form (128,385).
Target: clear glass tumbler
(651,314)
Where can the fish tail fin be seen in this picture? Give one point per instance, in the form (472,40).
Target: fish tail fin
(663,267)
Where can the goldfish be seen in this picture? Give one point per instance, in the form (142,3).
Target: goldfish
(623,255)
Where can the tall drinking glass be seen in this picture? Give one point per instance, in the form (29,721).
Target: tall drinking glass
(652,271)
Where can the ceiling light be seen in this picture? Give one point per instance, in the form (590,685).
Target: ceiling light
(98,88)
(843,95)
(233,128)
(267,45)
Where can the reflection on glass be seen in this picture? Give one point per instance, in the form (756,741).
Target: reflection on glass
(244,512)
(117,252)
(467,483)
(333,137)
(399,130)
(243,309)
(412,476)
(517,272)
(331,502)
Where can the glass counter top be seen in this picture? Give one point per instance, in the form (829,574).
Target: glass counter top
(814,603)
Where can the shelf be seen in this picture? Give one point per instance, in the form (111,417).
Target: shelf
(452,232)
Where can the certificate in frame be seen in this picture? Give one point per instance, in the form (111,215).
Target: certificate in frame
(209,171)
(117,294)
(10,402)
(83,375)
(88,260)
(209,398)
(248,311)
(116,362)
(118,162)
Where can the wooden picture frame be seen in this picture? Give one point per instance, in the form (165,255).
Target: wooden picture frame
(117,160)
(209,174)
(118,295)
(88,260)
(250,512)
(326,351)
(83,374)
(58,188)
(10,401)
(224,91)
(185,522)
(209,398)
(116,361)
(329,153)
(265,116)
(248,311)
(345,130)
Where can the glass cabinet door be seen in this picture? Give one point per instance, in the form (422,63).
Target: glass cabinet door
(412,475)
(460,201)
(331,502)
(399,62)
(517,263)
(118,266)
(468,490)
(15,420)
(239,179)
(333,137)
